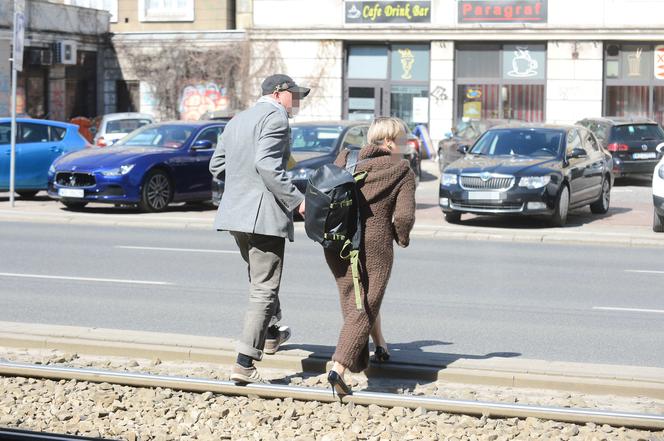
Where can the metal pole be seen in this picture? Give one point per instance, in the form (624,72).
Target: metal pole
(12,161)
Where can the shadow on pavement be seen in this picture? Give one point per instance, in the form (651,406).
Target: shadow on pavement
(133,209)
(576,218)
(420,365)
(426,176)
(645,181)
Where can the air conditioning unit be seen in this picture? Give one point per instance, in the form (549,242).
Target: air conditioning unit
(65,52)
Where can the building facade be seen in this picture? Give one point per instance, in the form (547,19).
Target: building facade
(61,69)
(439,62)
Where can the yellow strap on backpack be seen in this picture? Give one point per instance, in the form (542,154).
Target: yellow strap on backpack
(354,256)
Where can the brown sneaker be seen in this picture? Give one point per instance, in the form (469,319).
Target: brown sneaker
(241,374)
(272,344)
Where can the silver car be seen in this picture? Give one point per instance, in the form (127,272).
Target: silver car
(115,126)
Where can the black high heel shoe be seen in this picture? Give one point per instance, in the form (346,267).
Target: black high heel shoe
(380,355)
(338,384)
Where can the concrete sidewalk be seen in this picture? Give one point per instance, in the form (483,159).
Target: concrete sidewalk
(500,369)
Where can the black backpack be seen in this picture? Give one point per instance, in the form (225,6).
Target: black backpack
(332,216)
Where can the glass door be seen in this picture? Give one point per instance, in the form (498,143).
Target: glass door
(365,102)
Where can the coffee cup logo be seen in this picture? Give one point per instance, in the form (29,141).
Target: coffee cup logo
(523,65)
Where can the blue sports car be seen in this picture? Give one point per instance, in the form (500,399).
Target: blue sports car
(38,143)
(152,167)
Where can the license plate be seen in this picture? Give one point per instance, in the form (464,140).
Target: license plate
(71,192)
(648,155)
(484,195)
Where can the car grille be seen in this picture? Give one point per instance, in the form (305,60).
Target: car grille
(493,183)
(498,207)
(71,179)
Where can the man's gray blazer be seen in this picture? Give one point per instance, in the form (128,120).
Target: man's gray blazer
(253,151)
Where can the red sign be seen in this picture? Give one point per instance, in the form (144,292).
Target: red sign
(659,62)
(502,11)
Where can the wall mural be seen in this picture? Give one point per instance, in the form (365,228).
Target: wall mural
(198,99)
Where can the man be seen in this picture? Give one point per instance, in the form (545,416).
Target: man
(256,208)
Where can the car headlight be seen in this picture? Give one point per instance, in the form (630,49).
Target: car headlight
(448,179)
(299,173)
(119,171)
(661,172)
(533,182)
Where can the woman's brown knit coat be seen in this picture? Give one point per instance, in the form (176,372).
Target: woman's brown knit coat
(387,209)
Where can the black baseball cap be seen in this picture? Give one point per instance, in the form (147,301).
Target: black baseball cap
(281,82)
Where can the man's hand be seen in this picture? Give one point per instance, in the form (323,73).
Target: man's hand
(300,209)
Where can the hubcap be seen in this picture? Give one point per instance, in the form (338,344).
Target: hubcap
(158,192)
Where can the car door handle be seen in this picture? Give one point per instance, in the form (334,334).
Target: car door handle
(56,149)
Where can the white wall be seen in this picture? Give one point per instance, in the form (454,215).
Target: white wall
(618,14)
(314,64)
(574,82)
(441,93)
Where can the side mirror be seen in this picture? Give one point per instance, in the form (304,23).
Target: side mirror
(202,144)
(463,149)
(578,153)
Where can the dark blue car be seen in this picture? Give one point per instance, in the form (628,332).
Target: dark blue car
(152,167)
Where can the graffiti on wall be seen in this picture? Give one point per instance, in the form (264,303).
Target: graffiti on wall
(199,99)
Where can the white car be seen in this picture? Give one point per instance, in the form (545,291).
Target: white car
(658,197)
(115,126)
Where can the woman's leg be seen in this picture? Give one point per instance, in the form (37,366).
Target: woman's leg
(377,333)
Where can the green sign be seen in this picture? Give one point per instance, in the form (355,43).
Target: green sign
(388,12)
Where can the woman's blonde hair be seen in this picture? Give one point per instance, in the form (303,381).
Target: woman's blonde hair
(385,128)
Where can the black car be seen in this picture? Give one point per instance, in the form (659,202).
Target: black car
(314,144)
(464,134)
(632,142)
(529,169)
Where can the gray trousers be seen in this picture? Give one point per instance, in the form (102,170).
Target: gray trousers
(264,256)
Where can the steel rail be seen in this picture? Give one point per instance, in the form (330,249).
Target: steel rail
(500,410)
(30,435)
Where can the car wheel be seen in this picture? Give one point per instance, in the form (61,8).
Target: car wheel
(74,205)
(157,192)
(27,194)
(601,206)
(657,222)
(453,217)
(559,218)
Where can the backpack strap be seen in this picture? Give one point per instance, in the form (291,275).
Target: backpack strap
(351,249)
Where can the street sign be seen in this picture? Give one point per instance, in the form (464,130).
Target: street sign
(19,28)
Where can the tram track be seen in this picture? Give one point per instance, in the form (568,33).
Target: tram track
(274,391)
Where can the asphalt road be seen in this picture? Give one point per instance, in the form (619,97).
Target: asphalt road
(470,299)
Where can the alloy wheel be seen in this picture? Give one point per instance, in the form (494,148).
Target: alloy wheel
(158,192)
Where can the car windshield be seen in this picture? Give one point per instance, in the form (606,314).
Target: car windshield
(637,132)
(314,138)
(125,125)
(168,136)
(519,142)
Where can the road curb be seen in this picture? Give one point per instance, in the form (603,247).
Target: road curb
(419,231)
(497,370)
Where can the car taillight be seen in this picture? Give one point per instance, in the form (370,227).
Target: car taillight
(615,147)
(414,143)
(101,142)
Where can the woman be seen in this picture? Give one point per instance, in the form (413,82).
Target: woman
(387,210)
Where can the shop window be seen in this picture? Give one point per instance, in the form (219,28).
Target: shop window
(166,10)
(627,100)
(478,61)
(500,81)
(402,98)
(634,80)
(410,63)
(367,62)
